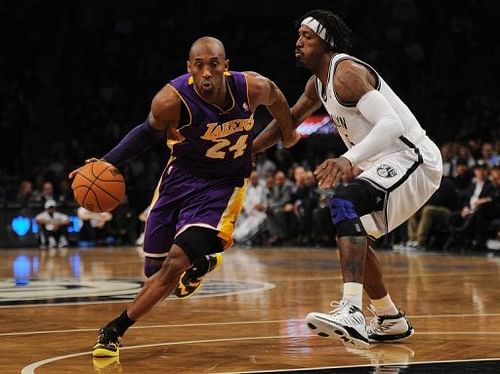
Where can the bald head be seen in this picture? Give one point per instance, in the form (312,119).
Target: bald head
(207,64)
(207,44)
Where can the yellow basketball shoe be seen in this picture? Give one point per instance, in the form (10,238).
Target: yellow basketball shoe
(191,281)
(106,364)
(108,343)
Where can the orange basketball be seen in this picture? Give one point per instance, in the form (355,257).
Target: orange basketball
(98,186)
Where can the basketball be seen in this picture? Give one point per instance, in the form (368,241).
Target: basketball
(98,186)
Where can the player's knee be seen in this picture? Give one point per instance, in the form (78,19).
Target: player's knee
(177,261)
(198,241)
(342,209)
(345,217)
(173,266)
(152,265)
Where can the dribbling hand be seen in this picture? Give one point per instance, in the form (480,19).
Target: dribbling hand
(73,173)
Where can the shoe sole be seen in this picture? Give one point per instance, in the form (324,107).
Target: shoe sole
(393,338)
(105,363)
(103,352)
(328,329)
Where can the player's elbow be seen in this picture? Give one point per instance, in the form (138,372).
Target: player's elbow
(396,126)
(274,95)
(295,119)
(391,126)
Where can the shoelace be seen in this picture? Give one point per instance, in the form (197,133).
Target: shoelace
(107,338)
(337,306)
(344,314)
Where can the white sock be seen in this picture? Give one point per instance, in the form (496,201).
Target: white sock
(385,306)
(353,292)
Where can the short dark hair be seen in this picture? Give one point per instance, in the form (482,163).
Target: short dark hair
(338,33)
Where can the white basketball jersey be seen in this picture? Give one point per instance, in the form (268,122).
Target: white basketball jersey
(407,172)
(351,124)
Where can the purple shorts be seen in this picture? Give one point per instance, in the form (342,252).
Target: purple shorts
(183,200)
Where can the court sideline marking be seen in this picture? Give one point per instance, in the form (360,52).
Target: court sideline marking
(266,286)
(30,369)
(245,322)
(361,366)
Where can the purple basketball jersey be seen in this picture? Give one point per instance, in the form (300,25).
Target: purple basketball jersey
(215,144)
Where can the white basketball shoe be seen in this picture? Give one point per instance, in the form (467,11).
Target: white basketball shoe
(345,322)
(389,328)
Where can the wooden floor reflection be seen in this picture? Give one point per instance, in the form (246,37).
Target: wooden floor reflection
(247,318)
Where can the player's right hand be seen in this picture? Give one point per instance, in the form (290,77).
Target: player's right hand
(332,170)
(73,173)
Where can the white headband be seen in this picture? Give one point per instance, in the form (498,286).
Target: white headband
(317,27)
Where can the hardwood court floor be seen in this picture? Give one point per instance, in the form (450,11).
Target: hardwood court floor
(248,317)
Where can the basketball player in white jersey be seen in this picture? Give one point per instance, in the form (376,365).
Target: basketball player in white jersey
(392,166)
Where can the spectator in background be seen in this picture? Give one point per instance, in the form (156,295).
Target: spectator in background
(323,227)
(305,201)
(494,242)
(142,218)
(269,184)
(123,226)
(488,155)
(253,214)
(25,193)
(278,220)
(465,155)
(46,193)
(53,225)
(462,179)
(283,159)
(291,208)
(448,162)
(264,166)
(474,146)
(434,215)
(95,226)
(65,193)
(471,224)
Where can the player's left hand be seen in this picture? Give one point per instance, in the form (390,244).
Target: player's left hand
(355,171)
(332,170)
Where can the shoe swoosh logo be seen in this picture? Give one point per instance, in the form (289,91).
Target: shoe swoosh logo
(325,319)
(182,289)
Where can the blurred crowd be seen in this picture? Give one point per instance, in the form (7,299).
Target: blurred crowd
(87,71)
(284,206)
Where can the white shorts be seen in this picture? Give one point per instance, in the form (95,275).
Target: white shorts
(406,183)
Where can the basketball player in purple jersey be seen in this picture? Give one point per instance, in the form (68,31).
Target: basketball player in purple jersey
(208,114)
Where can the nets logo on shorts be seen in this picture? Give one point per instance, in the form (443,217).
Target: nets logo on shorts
(386,171)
